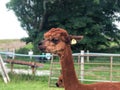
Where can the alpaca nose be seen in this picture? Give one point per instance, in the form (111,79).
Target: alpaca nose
(57,85)
(41,46)
(40,43)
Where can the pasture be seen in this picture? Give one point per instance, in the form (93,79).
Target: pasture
(26,82)
(11,44)
(98,68)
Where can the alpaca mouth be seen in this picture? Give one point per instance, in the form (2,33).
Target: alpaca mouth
(41,47)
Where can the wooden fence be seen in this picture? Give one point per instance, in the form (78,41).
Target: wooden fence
(21,60)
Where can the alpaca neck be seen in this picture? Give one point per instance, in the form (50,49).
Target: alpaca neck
(69,75)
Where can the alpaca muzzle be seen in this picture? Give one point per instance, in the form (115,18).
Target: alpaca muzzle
(57,84)
(41,46)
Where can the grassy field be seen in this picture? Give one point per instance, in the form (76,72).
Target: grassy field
(11,44)
(27,82)
(97,69)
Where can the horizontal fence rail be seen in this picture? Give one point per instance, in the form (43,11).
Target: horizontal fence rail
(22,55)
(74,54)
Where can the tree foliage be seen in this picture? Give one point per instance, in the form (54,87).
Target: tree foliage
(91,18)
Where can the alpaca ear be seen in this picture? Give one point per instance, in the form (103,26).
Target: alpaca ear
(74,39)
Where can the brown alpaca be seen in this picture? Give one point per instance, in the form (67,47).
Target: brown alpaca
(57,41)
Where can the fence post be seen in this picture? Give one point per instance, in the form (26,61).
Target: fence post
(82,66)
(51,66)
(79,63)
(111,62)
(3,71)
(88,56)
(30,53)
(13,57)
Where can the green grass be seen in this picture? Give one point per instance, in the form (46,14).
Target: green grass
(99,71)
(8,40)
(27,82)
(29,46)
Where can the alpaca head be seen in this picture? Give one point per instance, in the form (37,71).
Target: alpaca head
(55,40)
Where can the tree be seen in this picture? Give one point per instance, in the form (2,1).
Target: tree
(91,18)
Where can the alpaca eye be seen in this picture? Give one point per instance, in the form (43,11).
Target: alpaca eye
(55,40)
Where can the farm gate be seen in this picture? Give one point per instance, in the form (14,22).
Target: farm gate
(90,67)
